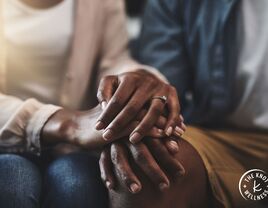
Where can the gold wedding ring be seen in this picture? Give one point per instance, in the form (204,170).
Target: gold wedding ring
(162,98)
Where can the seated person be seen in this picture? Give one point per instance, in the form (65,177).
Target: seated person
(215,53)
(53,54)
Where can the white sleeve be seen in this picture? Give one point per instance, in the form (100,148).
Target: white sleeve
(21,123)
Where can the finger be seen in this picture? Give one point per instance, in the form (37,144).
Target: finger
(116,104)
(181,128)
(106,168)
(106,90)
(166,161)
(126,131)
(160,123)
(126,174)
(174,109)
(148,165)
(148,122)
(129,112)
(153,132)
(179,131)
(171,145)
(181,117)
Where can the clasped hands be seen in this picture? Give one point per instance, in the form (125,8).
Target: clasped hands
(129,124)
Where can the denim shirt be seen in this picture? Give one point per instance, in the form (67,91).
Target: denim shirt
(193,43)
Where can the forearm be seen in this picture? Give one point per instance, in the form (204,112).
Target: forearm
(75,128)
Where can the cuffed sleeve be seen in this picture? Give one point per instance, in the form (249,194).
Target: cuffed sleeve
(21,123)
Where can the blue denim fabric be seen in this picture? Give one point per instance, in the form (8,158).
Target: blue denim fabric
(20,182)
(69,181)
(74,181)
(193,43)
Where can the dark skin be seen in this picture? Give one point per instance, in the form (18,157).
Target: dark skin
(128,110)
(124,96)
(72,127)
(191,190)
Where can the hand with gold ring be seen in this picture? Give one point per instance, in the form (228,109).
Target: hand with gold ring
(125,95)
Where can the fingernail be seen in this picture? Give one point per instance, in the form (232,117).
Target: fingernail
(134,138)
(180,172)
(181,117)
(135,188)
(169,131)
(163,186)
(179,130)
(183,126)
(108,184)
(160,131)
(174,146)
(103,105)
(108,135)
(99,125)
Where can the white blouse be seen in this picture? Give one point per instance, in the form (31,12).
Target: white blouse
(252,71)
(38,43)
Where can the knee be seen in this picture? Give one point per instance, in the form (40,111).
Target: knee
(74,179)
(20,181)
(180,190)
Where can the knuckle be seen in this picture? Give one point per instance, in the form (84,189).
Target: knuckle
(100,95)
(127,78)
(140,158)
(116,158)
(125,176)
(101,161)
(104,80)
(103,175)
(151,81)
(132,109)
(157,110)
(126,179)
(174,119)
(116,102)
(172,89)
(108,78)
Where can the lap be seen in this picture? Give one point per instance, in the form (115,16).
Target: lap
(214,160)
(74,180)
(67,181)
(227,155)
(181,191)
(20,182)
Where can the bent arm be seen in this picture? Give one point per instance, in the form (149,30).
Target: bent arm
(21,123)
(115,56)
(162,43)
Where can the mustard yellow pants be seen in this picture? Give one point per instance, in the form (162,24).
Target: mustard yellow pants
(227,155)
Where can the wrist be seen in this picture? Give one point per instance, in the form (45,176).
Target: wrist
(59,128)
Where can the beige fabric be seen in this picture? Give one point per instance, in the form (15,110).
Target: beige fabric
(38,51)
(100,34)
(227,154)
(2,50)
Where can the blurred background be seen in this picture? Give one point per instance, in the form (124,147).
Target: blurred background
(134,9)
